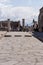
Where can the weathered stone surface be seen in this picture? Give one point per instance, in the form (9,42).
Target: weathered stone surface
(20,50)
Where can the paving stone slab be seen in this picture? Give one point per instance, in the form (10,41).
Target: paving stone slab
(20,50)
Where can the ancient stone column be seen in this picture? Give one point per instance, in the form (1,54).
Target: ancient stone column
(18,25)
(23,23)
(9,26)
(1,25)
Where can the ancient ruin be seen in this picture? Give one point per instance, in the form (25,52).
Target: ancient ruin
(40,20)
(8,25)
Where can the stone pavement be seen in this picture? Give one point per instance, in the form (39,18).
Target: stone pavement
(20,50)
(2,33)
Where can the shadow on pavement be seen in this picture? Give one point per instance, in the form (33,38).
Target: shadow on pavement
(38,35)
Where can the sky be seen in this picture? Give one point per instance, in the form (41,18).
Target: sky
(19,9)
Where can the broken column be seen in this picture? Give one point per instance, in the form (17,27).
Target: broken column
(18,25)
(23,24)
(9,26)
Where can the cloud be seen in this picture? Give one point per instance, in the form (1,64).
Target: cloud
(17,13)
(3,1)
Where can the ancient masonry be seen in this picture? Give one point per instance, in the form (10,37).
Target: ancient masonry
(11,25)
(40,20)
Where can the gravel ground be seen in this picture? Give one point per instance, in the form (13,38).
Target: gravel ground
(21,50)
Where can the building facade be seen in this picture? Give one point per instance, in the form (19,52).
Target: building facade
(11,25)
(40,20)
